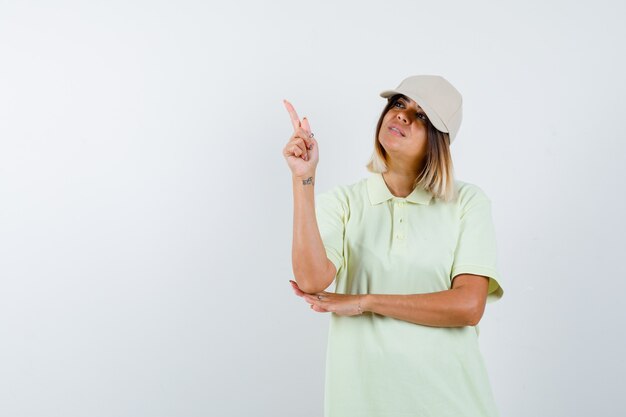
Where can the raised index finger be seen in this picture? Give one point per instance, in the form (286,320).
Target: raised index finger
(295,121)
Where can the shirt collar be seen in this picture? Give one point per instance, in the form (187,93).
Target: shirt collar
(378,192)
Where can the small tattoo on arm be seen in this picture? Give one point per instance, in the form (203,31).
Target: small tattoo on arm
(308,181)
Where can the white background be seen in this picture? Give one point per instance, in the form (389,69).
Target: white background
(146,208)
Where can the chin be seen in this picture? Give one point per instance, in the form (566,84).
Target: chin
(391,143)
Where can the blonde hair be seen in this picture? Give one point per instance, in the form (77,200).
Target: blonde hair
(437,175)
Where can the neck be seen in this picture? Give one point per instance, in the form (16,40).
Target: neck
(400,183)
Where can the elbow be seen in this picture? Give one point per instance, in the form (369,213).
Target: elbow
(310,289)
(306,283)
(472,321)
(314,282)
(309,286)
(474,314)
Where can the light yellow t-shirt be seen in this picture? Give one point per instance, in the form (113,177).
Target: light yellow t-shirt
(378,366)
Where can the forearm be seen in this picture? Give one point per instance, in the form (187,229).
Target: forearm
(309,260)
(449,308)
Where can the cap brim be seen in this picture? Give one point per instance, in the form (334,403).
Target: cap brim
(432,116)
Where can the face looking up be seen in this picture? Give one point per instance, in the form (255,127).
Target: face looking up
(403,133)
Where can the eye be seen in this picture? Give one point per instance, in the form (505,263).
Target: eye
(421,116)
(398,104)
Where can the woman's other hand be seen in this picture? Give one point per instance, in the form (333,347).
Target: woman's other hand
(301,151)
(328,302)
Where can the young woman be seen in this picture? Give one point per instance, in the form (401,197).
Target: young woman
(413,254)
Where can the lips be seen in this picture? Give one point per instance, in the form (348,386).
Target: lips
(395,129)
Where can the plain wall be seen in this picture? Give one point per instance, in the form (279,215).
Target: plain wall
(146,208)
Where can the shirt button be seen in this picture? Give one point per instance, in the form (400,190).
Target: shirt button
(400,236)
(400,219)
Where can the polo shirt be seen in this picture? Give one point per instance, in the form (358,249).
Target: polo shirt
(382,244)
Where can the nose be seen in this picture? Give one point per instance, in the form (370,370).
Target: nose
(402,117)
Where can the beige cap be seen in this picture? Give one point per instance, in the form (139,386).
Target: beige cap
(441,102)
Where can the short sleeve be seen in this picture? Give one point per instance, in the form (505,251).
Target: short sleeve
(476,248)
(330,215)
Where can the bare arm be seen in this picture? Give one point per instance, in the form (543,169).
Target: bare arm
(312,269)
(462,305)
